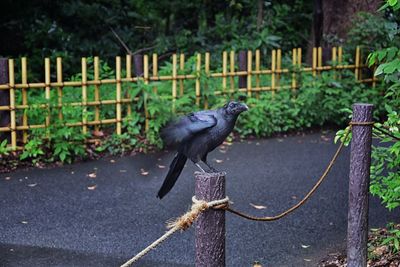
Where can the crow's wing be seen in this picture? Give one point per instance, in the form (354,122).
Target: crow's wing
(187,126)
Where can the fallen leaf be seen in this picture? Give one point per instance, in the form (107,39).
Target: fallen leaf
(7,178)
(98,133)
(305,246)
(326,139)
(72,172)
(257,144)
(219,160)
(112,161)
(259,207)
(307,259)
(93,187)
(143,172)
(160,166)
(294,197)
(32,185)
(222,151)
(279,140)
(92,175)
(24,222)
(227,143)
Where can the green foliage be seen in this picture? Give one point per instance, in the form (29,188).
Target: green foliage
(371,32)
(32,150)
(4,149)
(393,238)
(125,142)
(324,100)
(385,172)
(72,29)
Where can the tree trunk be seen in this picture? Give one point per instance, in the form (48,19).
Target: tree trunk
(260,15)
(332,20)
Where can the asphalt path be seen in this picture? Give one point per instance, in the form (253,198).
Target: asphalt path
(101,213)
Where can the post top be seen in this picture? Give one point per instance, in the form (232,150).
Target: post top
(363,104)
(210,174)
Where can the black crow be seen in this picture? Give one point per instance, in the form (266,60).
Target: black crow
(195,135)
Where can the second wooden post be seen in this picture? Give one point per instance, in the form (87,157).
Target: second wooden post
(210,225)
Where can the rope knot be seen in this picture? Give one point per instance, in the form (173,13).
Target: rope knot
(198,206)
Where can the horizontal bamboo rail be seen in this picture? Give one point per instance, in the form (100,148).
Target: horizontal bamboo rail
(282,75)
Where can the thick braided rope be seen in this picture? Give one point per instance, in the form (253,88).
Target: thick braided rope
(181,223)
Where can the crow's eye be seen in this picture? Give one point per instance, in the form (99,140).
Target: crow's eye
(231,105)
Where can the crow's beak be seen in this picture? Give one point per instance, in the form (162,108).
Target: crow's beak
(245,107)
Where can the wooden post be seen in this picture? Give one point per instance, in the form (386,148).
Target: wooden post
(360,161)
(242,67)
(210,225)
(138,62)
(4,98)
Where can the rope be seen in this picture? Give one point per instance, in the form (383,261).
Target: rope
(181,223)
(199,206)
(299,204)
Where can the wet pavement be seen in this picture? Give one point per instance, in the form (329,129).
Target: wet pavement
(101,213)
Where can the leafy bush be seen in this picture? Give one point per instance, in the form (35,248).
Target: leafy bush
(324,100)
(385,172)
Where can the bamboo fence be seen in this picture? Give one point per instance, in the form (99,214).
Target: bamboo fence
(18,127)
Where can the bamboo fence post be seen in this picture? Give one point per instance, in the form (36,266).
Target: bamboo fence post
(278,68)
(182,69)
(118,95)
(198,73)
(224,70)
(357,64)
(360,162)
(242,67)
(334,60)
(96,70)
(128,65)
(24,80)
(258,63)
(13,123)
(319,66)
(210,225)
(294,62)
(4,98)
(273,66)
(258,67)
(249,70)
(373,77)
(146,82)
(59,88)
(232,71)
(155,70)
(138,61)
(47,89)
(340,59)
(314,61)
(207,72)
(299,57)
(84,95)
(174,93)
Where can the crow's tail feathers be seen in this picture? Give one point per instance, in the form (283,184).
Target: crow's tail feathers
(175,170)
